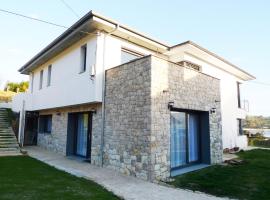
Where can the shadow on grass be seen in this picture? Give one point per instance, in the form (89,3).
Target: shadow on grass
(250,180)
(22,177)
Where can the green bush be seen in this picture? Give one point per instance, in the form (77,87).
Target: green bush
(262,143)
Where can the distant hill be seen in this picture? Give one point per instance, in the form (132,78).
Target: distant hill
(257,122)
(6,96)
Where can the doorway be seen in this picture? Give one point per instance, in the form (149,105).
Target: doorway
(79,136)
(185,139)
(30,128)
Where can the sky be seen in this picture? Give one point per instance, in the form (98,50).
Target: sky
(238,31)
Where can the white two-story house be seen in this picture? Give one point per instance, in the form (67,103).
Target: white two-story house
(120,99)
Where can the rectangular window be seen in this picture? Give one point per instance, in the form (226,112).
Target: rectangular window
(40,79)
(49,75)
(239,127)
(127,55)
(45,124)
(32,82)
(83,58)
(238,95)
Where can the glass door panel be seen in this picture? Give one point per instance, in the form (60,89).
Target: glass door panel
(82,132)
(193,137)
(178,139)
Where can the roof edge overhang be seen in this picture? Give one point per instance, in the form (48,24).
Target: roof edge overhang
(199,52)
(90,23)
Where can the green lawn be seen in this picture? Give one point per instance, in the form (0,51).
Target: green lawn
(22,177)
(250,180)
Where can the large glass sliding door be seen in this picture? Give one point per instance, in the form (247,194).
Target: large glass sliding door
(193,137)
(184,139)
(178,139)
(82,134)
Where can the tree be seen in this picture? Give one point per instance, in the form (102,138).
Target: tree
(17,87)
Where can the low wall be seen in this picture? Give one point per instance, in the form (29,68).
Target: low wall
(6,105)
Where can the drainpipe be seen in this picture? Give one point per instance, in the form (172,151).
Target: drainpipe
(21,124)
(104,91)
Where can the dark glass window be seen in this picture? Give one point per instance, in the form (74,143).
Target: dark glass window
(40,79)
(238,95)
(45,124)
(240,126)
(49,75)
(83,58)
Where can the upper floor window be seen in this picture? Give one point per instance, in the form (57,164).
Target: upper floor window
(128,55)
(40,79)
(238,95)
(32,82)
(45,124)
(83,58)
(49,75)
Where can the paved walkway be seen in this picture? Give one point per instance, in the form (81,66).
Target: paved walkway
(127,187)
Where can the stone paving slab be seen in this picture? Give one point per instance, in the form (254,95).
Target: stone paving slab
(127,187)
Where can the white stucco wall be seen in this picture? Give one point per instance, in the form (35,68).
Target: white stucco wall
(69,86)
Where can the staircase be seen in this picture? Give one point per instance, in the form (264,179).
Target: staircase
(8,141)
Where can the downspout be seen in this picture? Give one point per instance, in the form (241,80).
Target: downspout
(21,125)
(104,92)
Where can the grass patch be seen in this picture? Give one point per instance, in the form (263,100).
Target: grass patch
(22,177)
(250,180)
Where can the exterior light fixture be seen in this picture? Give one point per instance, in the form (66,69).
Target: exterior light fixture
(93,111)
(213,110)
(170,105)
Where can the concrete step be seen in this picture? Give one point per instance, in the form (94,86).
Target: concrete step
(9,148)
(8,145)
(10,138)
(7,142)
(4,130)
(2,149)
(7,136)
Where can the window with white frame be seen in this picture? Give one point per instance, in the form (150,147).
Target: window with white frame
(40,79)
(49,75)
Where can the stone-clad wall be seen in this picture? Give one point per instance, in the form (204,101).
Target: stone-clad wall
(137,119)
(188,89)
(128,118)
(56,141)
